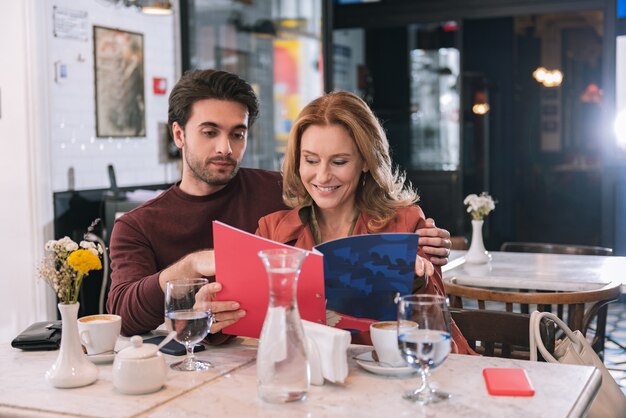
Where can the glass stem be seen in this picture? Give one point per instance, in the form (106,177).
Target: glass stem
(424,387)
(189,359)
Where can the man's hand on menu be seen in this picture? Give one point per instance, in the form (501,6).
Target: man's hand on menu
(435,242)
(197,264)
(225,312)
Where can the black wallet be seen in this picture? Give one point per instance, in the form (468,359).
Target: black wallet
(39,336)
(173,348)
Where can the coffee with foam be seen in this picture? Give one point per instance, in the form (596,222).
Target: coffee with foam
(98,318)
(384,336)
(386,325)
(99,333)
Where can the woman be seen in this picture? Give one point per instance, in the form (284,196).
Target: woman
(339,180)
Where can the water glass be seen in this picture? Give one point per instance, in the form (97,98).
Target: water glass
(424,340)
(184,316)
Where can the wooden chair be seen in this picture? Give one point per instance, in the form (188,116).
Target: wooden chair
(577,316)
(459,242)
(501,334)
(546,248)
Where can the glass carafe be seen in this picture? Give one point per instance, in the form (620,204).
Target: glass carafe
(282,367)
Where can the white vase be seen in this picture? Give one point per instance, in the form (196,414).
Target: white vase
(477,254)
(72,368)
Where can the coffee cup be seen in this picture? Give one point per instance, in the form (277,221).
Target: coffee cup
(384,336)
(99,333)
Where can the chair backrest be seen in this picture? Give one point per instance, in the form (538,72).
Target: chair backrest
(572,304)
(459,242)
(501,334)
(541,247)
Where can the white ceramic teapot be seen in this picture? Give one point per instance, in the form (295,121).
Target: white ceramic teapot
(139,369)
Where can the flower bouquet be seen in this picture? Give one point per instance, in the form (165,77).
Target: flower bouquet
(67,264)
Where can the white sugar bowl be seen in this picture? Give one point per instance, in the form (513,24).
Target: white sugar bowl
(139,369)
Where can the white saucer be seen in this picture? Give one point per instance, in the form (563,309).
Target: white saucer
(366,361)
(101,358)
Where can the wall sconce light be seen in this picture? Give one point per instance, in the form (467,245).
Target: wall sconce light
(480,107)
(549,78)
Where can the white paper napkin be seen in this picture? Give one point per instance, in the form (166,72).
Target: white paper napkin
(327,350)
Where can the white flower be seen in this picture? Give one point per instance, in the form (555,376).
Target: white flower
(479,206)
(88,245)
(50,245)
(95,249)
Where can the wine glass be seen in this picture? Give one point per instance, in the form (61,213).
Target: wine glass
(424,340)
(191,324)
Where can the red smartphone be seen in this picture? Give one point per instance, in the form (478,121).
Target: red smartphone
(508,382)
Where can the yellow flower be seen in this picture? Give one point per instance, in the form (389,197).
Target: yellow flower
(83,261)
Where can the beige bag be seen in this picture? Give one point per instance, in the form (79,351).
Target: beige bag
(575,349)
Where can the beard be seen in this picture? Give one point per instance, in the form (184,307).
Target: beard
(213,176)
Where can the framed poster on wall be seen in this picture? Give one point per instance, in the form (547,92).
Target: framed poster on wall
(119,79)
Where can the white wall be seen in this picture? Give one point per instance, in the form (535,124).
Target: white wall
(37,115)
(23,176)
(72,123)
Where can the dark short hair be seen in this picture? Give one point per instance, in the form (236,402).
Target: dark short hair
(198,85)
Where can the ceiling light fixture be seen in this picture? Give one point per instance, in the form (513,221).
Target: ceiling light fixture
(150,7)
(549,78)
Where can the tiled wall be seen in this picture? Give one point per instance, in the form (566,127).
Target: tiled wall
(73,143)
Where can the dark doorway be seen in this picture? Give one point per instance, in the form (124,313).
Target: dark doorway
(543,143)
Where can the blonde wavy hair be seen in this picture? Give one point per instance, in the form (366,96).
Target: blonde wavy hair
(382,188)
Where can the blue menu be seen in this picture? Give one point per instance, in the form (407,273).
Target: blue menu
(364,274)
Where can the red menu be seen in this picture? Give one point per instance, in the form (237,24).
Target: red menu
(244,279)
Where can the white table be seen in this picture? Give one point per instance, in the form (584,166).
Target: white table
(229,390)
(558,272)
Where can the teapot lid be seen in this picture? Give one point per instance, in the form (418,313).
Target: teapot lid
(138,350)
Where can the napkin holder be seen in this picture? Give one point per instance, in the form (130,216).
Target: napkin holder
(327,351)
(40,336)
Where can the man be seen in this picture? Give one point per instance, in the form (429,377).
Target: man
(169,237)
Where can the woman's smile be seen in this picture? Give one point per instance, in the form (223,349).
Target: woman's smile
(325,188)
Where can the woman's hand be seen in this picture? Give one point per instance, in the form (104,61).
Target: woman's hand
(423,267)
(225,312)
